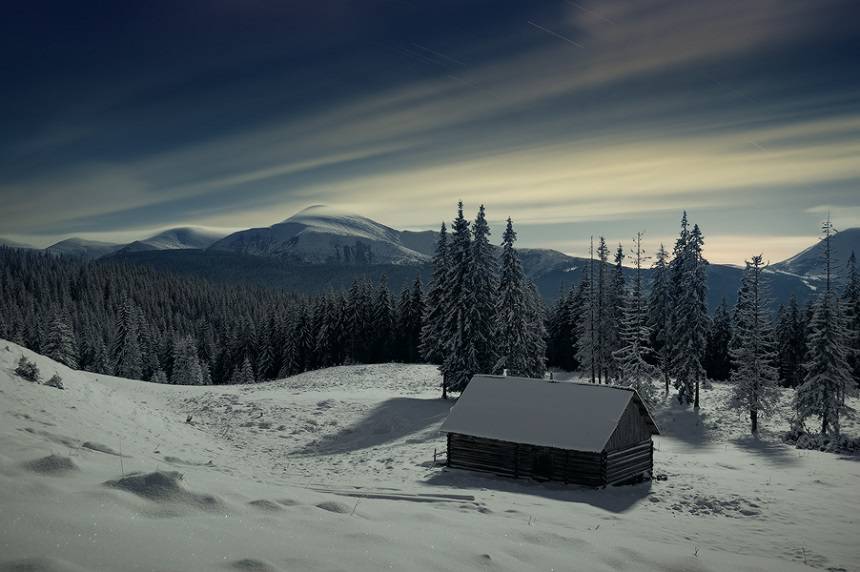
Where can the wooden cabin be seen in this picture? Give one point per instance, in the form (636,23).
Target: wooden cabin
(580,433)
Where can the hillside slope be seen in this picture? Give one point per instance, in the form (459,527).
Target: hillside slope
(809,263)
(333,470)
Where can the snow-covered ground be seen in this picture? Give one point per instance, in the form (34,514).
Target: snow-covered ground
(333,470)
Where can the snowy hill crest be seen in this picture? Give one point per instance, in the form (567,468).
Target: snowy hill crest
(323,234)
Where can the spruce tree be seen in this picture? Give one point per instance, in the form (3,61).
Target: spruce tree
(827,373)
(186,365)
(127,357)
(383,324)
(633,369)
(717,361)
(851,304)
(483,283)
(60,343)
(512,312)
(536,330)
(586,340)
(615,302)
(435,310)
(791,344)
(562,329)
(603,317)
(754,374)
(410,313)
(458,336)
(689,324)
(243,374)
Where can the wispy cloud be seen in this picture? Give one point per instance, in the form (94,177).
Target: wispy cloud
(606,111)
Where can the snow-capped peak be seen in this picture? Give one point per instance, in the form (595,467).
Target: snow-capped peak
(332,220)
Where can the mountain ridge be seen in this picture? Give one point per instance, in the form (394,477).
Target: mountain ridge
(320,234)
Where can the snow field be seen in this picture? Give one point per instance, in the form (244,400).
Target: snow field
(333,470)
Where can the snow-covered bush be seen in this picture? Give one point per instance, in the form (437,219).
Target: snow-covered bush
(55,381)
(802,439)
(27,369)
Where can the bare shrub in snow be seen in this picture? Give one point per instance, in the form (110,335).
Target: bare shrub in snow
(55,381)
(28,370)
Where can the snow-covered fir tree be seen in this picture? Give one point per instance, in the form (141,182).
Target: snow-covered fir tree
(460,361)
(536,319)
(60,343)
(512,314)
(791,343)
(243,374)
(689,326)
(562,325)
(483,286)
(827,374)
(410,312)
(186,365)
(754,374)
(264,351)
(717,361)
(289,365)
(615,301)
(586,341)
(435,310)
(126,353)
(660,309)
(632,366)
(603,317)
(359,322)
(851,304)
(382,323)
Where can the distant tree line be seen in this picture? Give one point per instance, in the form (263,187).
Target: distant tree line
(130,321)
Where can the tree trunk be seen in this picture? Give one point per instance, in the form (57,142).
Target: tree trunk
(696,398)
(754,420)
(445,386)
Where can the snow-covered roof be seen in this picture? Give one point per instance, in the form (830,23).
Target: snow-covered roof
(564,415)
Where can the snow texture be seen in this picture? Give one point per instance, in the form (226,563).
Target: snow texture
(362,438)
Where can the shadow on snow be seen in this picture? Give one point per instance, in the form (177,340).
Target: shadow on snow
(392,420)
(774,452)
(612,499)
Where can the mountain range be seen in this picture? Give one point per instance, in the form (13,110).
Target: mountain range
(323,248)
(181,238)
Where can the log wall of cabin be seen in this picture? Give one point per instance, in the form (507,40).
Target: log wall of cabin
(625,464)
(630,430)
(519,460)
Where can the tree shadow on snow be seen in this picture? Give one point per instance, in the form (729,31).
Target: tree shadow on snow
(390,421)
(615,499)
(681,422)
(772,451)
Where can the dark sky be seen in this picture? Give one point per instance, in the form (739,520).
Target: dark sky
(573,117)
